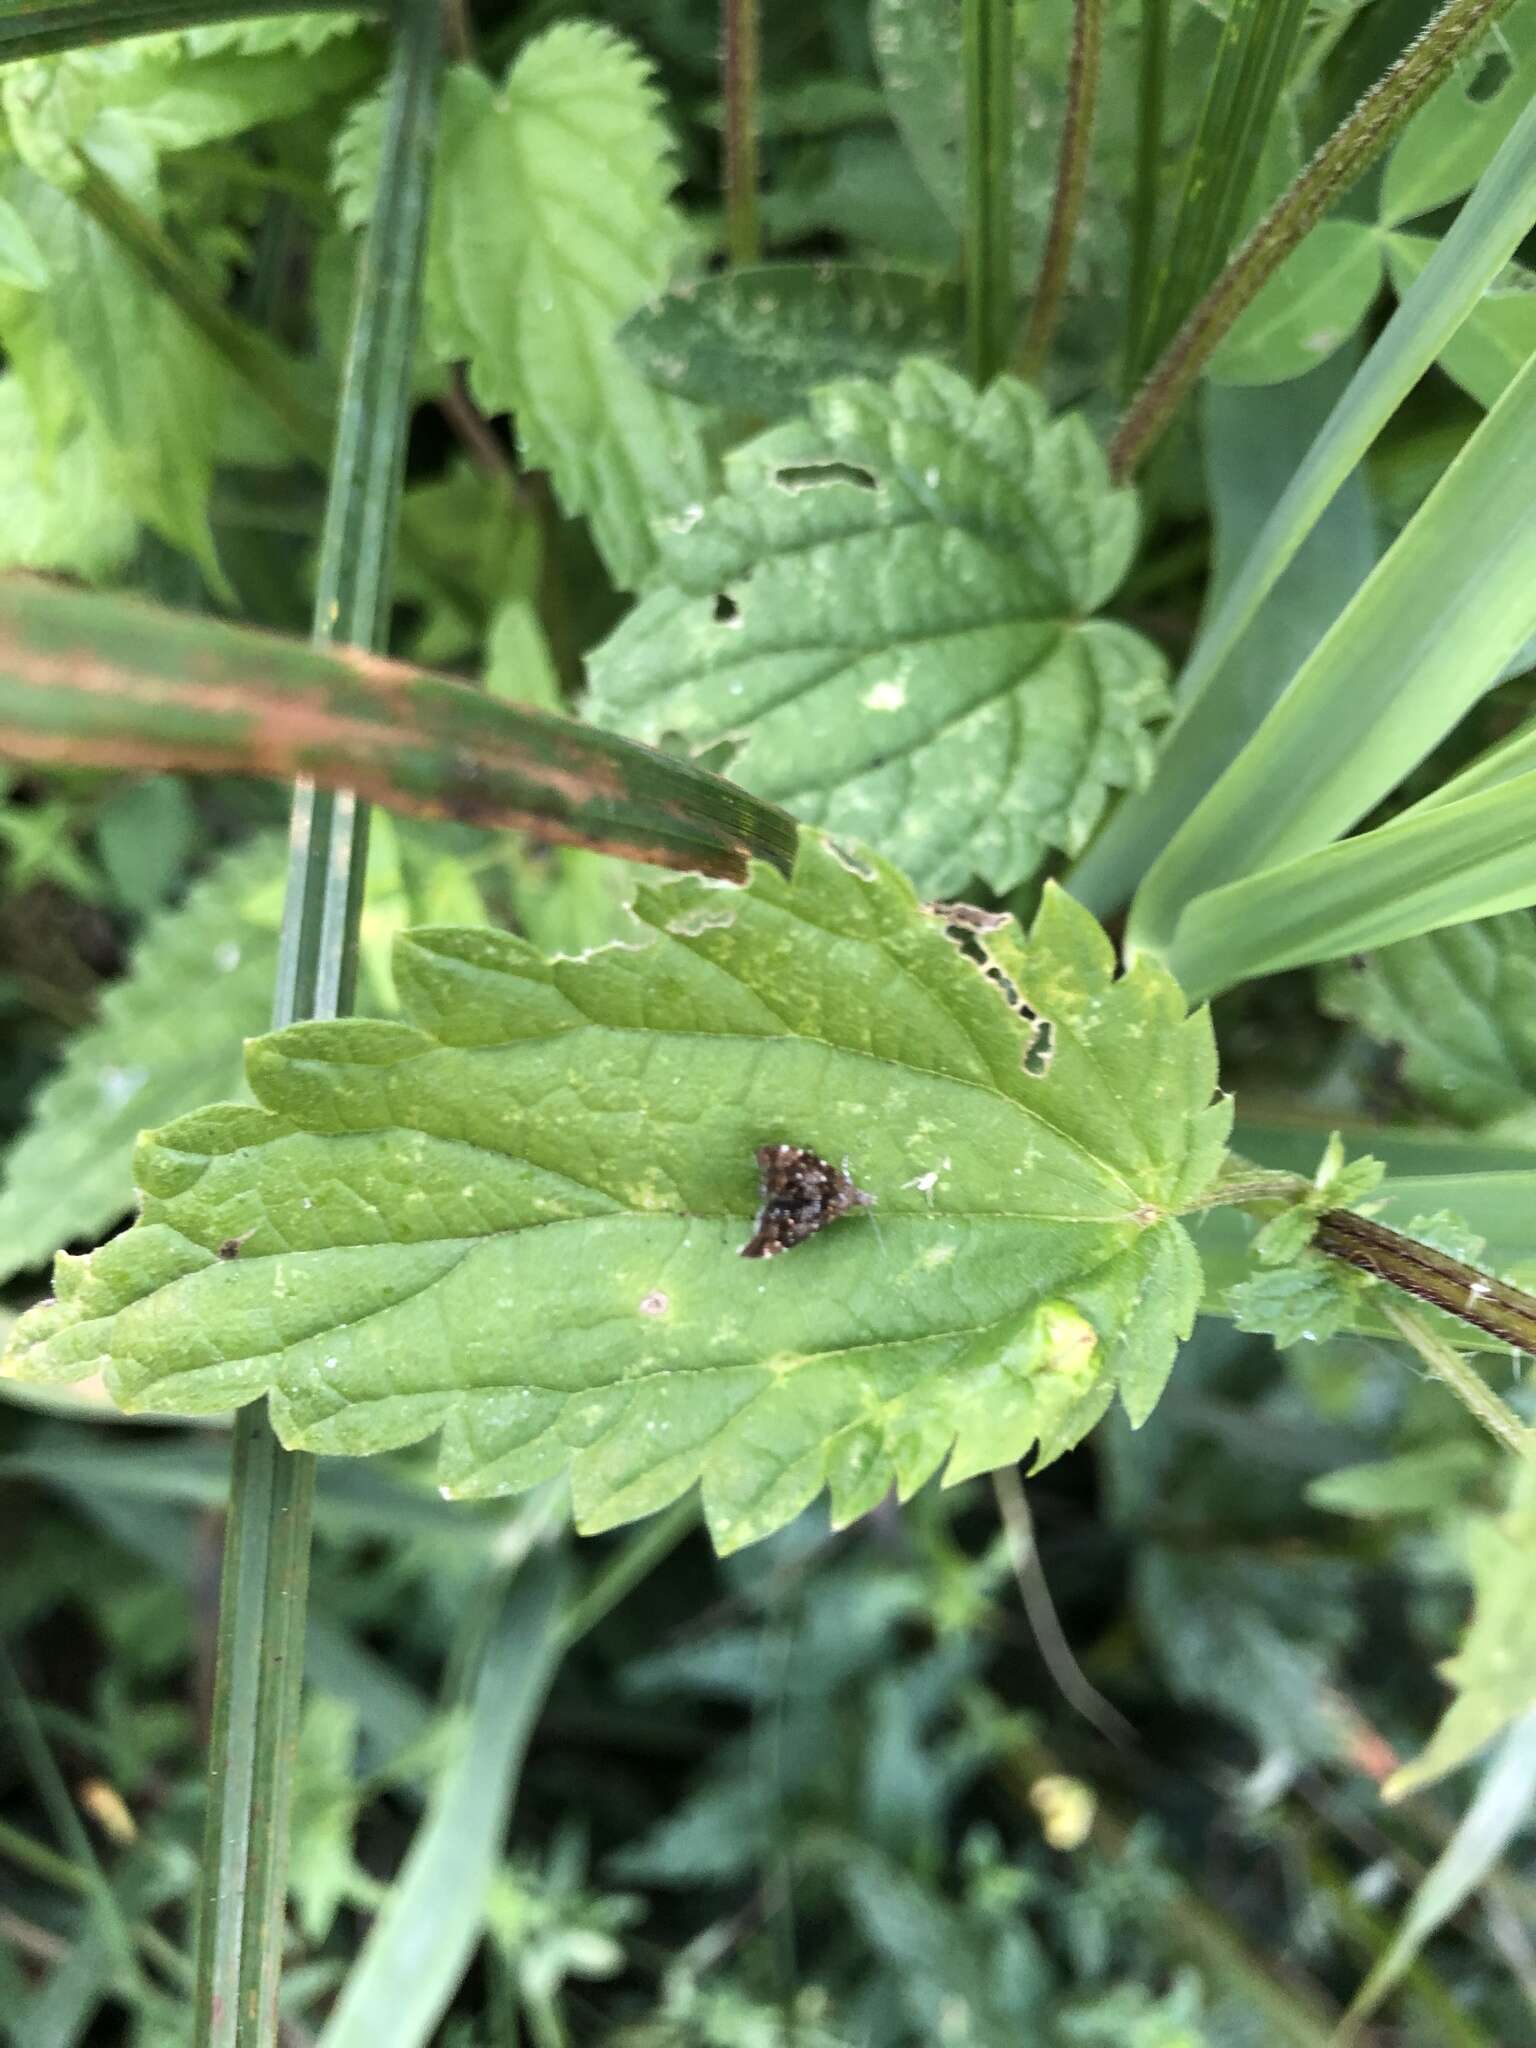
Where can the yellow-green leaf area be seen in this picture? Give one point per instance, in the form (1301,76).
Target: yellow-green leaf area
(515,1216)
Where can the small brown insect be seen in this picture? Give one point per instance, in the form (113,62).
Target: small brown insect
(801,1194)
(230,1248)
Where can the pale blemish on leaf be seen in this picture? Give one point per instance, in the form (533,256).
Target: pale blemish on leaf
(885,696)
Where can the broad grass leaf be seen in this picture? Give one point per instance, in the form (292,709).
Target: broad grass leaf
(1461,1005)
(887,619)
(195,695)
(515,1217)
(168,1038)
(760,339)
(1494,1671)
(551,224)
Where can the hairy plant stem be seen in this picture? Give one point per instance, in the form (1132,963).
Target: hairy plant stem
(1349,151)
(1411,1267)
(1151,91)
(1071,178)
(264,1590)
(1492,1306)
(1463,1380)
(740,78)
(988,59)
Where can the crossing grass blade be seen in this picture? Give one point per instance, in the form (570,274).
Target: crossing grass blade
(1438,866)
(264,1587)
(1428,634)
(1482,240)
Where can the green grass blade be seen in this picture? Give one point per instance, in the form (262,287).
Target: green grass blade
(263,1594)
(264,1589)
(30,31)
(1513,757)
(91,679)
(1485,235)
(32,1751)
(1254,438)
(1499,1809)
(1253,60)
(1440,866)
(1428,634)
(430,1925)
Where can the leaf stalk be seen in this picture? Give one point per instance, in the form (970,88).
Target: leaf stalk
(987,29)
(741,72)
(1083,72)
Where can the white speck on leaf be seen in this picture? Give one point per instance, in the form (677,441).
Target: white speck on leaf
(655,1303)
(925,1183)
(885,697)
(120,1084)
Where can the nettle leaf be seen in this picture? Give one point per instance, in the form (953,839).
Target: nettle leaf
(1299,1304)
(885,618)
(1494,1671)
(1310,306)
(104,352)
(60,508)
(759,339)
(21,261)
(516,1217)
(1461,1003)
(169,1037)
(551,224)
(174,92)
(1456,134)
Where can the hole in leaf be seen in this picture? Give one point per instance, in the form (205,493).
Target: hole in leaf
(727,611)
(1040,1050)
(810,476)
(1491,76)
(966,927)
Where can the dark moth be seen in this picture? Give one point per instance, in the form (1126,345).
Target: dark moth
(801,1194)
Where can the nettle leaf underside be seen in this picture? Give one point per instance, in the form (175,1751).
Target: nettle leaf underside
(885,625)
(516,1217)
